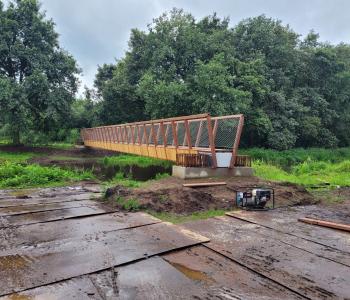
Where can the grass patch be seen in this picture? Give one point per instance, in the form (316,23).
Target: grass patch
(161,176)
(16,175)
(119,179)
(286,159)
(63,146)
(15,157)
(177,219)
(131,204)
(133,160)
(309,173)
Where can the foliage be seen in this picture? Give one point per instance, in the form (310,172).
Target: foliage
(176,219)
(17,175)
(130,160)
(294,92)
(287,158)
(131,204)
(15,157)
(160,176)
(38,79)
(119,179)
(308,173)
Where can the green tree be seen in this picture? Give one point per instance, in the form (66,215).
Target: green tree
(293,92)
(37,78)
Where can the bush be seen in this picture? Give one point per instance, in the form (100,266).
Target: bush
(131,204)
(13,174)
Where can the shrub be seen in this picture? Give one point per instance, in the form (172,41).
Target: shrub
(129,160)
(17,175)
(131,204)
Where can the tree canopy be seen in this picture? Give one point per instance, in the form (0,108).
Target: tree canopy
(293,91)
(38,78)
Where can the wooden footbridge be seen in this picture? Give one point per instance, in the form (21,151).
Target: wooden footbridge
(199,136)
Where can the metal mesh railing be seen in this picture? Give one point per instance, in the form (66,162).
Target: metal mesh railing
(197,132)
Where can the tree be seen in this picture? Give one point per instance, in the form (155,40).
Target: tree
(37,78)
(293,92)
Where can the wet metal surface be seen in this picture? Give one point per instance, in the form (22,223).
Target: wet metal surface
(223,278)
(318,249)
(48,216)
(80,228)
(286,221)
(77,288)
(301,271)
(25,209)
(41,200)
(153,278)
(56,261)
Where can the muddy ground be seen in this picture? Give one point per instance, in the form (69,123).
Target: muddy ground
(169,195)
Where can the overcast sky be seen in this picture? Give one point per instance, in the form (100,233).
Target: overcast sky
(97,31)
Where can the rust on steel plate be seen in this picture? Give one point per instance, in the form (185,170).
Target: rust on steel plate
(52,262)
(301,271)
(35,234)
(47,200)
(53,215)
(223,278)
(17,210)
(287,221)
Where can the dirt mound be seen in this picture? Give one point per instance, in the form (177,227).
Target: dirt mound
(168,195)
(176,199)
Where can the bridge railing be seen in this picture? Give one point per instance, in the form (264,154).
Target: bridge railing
(165,138)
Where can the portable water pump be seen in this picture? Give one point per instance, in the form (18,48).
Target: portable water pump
(255,199)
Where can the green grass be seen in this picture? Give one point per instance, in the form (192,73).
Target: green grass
(309,173)
(129,160)
(119,179)
(177,219)
(160,176)
(286,159)
(131,204)
(56,145)
(17,175)
(15,157)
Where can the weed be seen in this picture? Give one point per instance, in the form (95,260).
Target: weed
(15,157)
(130,160)
(131,204)
(308,173)
(160,176)
(17,175)
(286,159)
(163,198)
